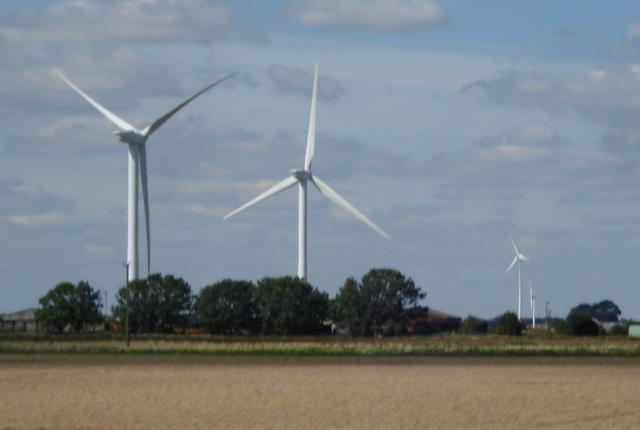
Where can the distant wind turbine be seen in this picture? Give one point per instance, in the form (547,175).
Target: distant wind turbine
(301,177)
(533,306)
(519,259)
(136,139)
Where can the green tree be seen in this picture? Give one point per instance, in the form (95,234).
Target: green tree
(290,306)
(581,323)
(474,325)
(158,304)
(228,307)
(347,309)
(508,324)
(604,311)
(383,303)
(70,305)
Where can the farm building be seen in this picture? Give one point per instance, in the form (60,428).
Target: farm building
(24,321)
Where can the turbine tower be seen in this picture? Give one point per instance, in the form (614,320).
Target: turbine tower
(302,177)
(136,140)
(519,259)
(533,306)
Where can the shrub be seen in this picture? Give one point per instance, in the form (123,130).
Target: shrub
(619,330)
(508,324)
(474,325)
(580,323)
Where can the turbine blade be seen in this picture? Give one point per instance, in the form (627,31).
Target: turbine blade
(513,263)
(328,192)
(164,118)
(119,122)
(514,246)
(311,136)
(145,197)
(280,186)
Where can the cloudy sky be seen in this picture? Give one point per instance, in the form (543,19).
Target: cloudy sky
(453,124)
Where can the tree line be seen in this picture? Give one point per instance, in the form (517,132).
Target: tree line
(582,320)
(383,302)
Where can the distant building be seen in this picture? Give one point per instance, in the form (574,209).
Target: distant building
(443,321)
(21,321)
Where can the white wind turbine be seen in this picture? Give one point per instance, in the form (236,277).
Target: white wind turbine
(519,258)
(136,140)
(533,306)
(301,177)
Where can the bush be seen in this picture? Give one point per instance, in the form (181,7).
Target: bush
(580,323)
(619,330)
(508,324)
(474,325)
(290,306)
(228,307)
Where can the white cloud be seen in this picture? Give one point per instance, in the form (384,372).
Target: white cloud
(204,186)
(291,80)
(375,15)
(131,21)
(216,212)
(633,33)
(609,96)
(526,143)
(37,220)
(98,249)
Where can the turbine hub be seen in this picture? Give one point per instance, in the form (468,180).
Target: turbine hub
(301,174)
(130,137)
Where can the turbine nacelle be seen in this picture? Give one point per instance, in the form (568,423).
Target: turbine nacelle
(132,137)
(301,174)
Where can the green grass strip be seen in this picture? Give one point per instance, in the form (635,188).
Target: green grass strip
(355,349)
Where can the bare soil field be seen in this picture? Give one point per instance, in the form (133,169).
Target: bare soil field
(204,392)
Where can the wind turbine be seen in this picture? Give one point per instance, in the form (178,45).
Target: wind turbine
(136,140)
(519,258)
(301,177)
(533,306)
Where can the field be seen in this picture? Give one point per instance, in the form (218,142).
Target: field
(447,345)
(60,391)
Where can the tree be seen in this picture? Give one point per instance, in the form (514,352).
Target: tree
(347,309)
(474,325)
(290,306)
(76,306)
(604,311)
(158,304)
(228,307)
(508,324)
(383,303)
(581,323)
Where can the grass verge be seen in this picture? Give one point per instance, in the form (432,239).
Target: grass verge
(454,346)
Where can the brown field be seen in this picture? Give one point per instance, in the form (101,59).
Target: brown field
(202,392)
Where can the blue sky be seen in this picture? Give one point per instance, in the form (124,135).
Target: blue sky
(453,125)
